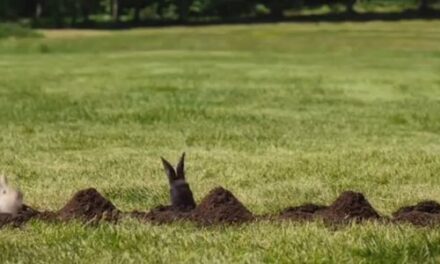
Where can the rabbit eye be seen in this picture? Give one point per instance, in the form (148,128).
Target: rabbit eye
(4,191)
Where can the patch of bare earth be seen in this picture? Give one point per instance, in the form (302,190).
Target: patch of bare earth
(425,213)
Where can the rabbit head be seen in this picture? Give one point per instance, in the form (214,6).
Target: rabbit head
(181,196)
(11,200)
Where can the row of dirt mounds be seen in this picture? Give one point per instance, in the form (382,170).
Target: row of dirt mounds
(221,207)
(88,206)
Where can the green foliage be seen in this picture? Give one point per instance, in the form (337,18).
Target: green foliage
(229,8)
(61,13)
(16,30)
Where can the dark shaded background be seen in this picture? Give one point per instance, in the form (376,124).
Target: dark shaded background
(129,13)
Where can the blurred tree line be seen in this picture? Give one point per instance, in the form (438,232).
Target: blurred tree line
(72,12)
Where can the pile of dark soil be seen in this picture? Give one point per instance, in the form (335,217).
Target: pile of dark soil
(26,213)
(88,205)
(305,212)
(220,206)
(8,219)
(161,215)
(349,207)
(426,213)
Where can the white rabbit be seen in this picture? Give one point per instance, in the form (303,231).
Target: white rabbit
(11,200)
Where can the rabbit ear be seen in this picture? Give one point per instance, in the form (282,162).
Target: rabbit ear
(180,169)
(169,170)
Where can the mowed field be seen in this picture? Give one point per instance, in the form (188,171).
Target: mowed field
(279,114)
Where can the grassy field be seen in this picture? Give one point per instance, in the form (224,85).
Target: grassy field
(278,114)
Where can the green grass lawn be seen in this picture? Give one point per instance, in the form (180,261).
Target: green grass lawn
(278,114)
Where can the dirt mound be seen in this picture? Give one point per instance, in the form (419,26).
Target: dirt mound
(220,206)
(349,206)
(305,212)
(425,213)
(431,207)
(8,219)
(24,215)
(161,215)
(88,205)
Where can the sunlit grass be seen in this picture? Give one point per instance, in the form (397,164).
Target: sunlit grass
(278,114)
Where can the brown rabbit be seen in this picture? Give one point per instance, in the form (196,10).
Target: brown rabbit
(181,195)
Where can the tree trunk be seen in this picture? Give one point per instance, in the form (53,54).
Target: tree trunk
(184,10)
(160,8)
(38,10)
(75,9)
(350,6)
(137,13)
(85,12)
(7,11)
(115,10)
(423,6)
(3,9)
(276,10)
(55,11)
